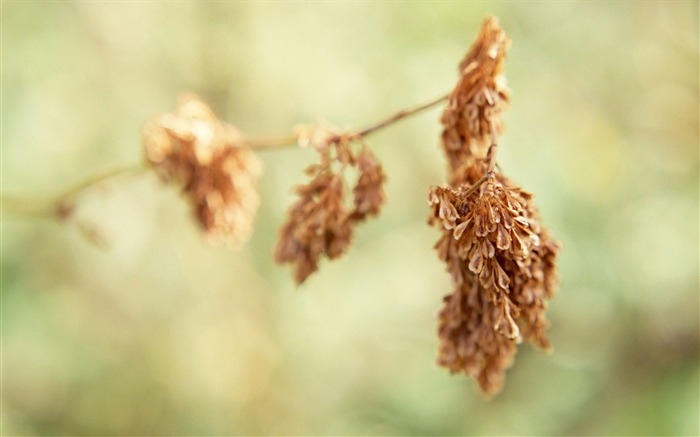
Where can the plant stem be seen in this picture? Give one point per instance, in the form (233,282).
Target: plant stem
(493,148)
(59,206)
(26,206)
(401,114)
(491,164)
(484,178)
(288,140)
(96,179)
(271,142)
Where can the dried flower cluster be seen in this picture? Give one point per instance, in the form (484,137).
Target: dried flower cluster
(472,117)
(321,222)
(501,261)
(207,159)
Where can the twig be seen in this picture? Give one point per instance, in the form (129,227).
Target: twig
(484,178)
(401,114)
(271,142)
(491,164)
(288,140)
(96,179)
(493,148)
(61,205)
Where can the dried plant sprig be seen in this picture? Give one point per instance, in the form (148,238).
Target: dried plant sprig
(501,261)
(205,157)
(56,206)
(321,222)
(63,206)
(317,225)
(368,194)
(295,139)
(502,265)
(481,95)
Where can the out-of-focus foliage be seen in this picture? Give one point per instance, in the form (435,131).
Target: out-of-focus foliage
(161,334)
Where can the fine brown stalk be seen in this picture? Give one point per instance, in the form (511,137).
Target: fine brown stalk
(493,148)
(99,178)
(61,205)
(479,183)
(292,139)
(491,165)
(271,142)
(400,115)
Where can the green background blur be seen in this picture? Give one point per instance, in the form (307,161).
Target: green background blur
(160,334)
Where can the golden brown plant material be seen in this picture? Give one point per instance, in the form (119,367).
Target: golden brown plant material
(481,95)
(322,221)
(501,261)
(205,157)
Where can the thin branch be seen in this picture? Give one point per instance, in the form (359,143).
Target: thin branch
(289,140)
(493,148)
(491,164)
(27,206)
(98,178)
(61,205)
(484,178)
(400,115)
(271,142)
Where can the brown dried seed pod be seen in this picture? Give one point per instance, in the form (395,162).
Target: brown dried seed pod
(468,341)
(318,224)
(500,260)
(481,95)
(368,194)
(205,157)
(321,222)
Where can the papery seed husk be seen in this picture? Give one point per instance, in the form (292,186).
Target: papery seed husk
(459,229)
(487,249)
(476,261)
(502,238)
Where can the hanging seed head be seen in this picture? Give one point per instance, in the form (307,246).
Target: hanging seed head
(321,223)
(205,158)
(474,108)
(501,261)
(502,266)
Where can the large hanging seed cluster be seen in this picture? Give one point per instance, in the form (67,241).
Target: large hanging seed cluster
(501,261)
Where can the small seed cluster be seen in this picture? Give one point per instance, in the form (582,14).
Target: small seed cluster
(206,159)
(322,221)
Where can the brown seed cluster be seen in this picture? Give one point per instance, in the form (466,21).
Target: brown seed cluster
(481,95)
(502,265)
(501,261)
(206,158)
(322,221)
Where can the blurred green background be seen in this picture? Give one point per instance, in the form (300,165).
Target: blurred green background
(160,334)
